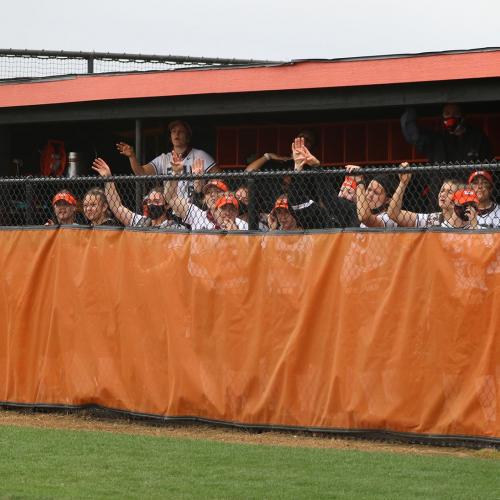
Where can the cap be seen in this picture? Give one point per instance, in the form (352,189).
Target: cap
(67,197)
(186,125)
(483,173)
(226,199)
(282,203)
(218,184)
(349,182)
(463,196)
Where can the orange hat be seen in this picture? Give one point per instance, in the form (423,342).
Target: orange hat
(483,173)
(67,197)
(463,196)
(282,203)
(349,182)
(227,199)
(218,184)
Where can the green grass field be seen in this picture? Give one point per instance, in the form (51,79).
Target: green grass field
(46,463)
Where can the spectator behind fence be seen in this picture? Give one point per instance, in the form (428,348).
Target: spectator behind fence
(372,202)
(481,182)
(65,207)
(157,213)
(342,205)
(282,217)
(223,215)
(96,208)
(457,141)
(406,218)
(180,138)
(465,204)
(242,194)
(301,191)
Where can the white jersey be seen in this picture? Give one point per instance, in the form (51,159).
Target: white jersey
(429,220)
(385,219)
(142,221)
(489,217)
(162,166)
(198,220)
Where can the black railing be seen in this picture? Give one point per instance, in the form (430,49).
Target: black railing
(28,64)
(318,199)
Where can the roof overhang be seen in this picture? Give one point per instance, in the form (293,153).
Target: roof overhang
(308,85)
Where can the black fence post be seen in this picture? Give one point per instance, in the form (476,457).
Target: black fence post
(253,214)
(90,65)
(139,187)
(29,214)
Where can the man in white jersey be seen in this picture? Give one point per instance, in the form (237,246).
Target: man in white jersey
(157,212)
(488,215)
(180,137)
(221,215)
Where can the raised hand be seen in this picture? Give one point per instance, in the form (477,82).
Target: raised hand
(125,149)
(298,154)
(354,170)
(198,167)
(404,178)
(101,167)
(177,163)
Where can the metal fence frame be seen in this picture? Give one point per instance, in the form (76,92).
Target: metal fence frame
(73,62)
(30,185)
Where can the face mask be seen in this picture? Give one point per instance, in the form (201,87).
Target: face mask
(451,124)
(156,211)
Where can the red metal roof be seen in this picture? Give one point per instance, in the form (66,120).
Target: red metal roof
(294,76)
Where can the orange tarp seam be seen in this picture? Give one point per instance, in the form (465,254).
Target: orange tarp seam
(361,330)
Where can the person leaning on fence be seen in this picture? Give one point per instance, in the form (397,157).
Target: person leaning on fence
(65,208)
(242,195)
(96,208)
(180,138)
(406,218)
(342,205)
(372,201)
(282,217)
(158,214)
(481,182)
(223,215)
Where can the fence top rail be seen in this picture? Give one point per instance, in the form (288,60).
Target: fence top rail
(315,172)
(49,54)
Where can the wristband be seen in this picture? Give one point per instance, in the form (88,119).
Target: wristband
(267,156)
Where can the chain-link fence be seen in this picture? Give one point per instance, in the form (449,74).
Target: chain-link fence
(39,64)
(447,196)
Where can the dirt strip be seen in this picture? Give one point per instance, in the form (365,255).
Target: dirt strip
(86,421)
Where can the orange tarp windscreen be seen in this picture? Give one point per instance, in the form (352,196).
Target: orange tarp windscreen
(362,330)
